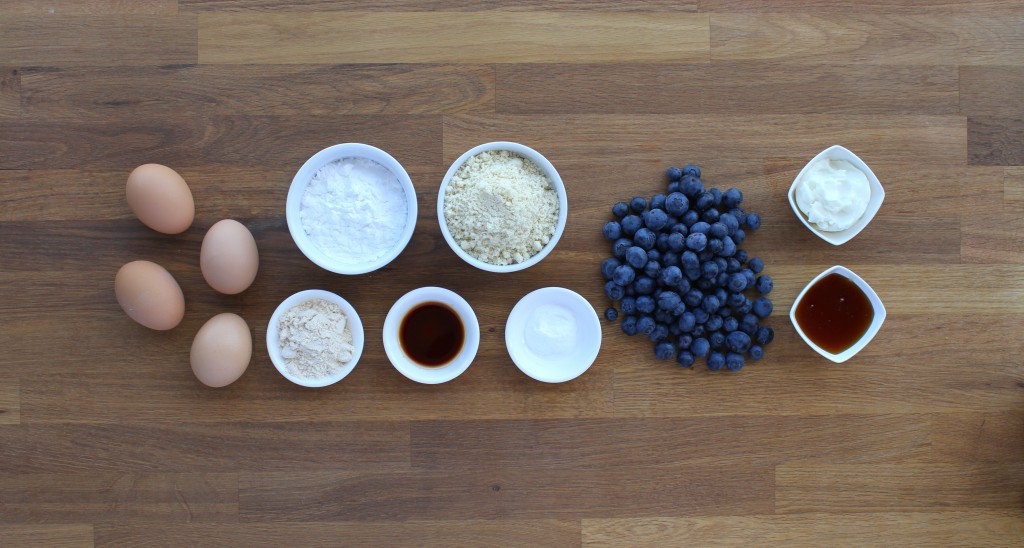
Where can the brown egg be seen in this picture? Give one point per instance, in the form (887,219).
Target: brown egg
(229,258)
(149,295)
(221,350)
(160,198)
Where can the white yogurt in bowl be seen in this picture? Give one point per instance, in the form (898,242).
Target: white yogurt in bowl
(833,194)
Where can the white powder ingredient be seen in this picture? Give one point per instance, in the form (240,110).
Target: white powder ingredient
(551,331)
(315,339)
(354,210)
(500,207)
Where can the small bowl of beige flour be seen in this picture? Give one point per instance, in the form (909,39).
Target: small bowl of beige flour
(315,338)
(502,207)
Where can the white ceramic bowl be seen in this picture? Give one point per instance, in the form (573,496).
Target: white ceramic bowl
(874,202)
(406,365)
(563,366)
(274,343)
(298,188)
(544,165)
(876,322)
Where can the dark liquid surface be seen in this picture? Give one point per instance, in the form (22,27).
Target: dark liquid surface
(834,313)
(432,334)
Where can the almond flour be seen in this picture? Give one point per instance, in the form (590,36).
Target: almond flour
(316,340)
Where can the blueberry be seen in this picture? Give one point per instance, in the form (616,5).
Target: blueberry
(685,358)
(623,275)
(730,221)
(628,305)
(691,169)
(745,308)
(684,287)
(676,204)
(655,219)
(661,243)
(730,324)
(733,265)
(664,350)
(728,247)
(660,332)
(697,241)
(689,260)
(741,256)
(611,314)
(764,335)
(645,238)
(756,352)
(762,307)
(710,216)
(643,285)
(709,270)
(614,291)
(676,241)
(690,217)
(739,236)
(717,340)
(756,265)
(608,266)
(653,269)
(701,227)
(714,323)
(638,204)
(687,322)
(620,246)
(737,282)
(668,300)
(670,276)
(753,221)
(679,228)
(692,186)
(764,284)
(731,198)
(636,257)
(738,341)
(658,201)
(705,201)
(700,347)
(620,210)
(674,173)
(705,284)
(710,304)
(701,316)
(749,324)
(734,361)
(653,255)
(612,230)
(698,330)
(717,195)
(715,246)
(630,224)
(629,325)
(645,325)
(669,258)
(716,360)
(722,280)
(683,341)
(693,298)
(718,230)
(749,276)
(645,304)
(674,186)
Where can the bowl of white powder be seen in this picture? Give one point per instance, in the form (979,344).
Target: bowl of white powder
(315,338)
(351,208)
(502,207)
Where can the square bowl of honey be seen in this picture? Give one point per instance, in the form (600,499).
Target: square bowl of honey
(837,314)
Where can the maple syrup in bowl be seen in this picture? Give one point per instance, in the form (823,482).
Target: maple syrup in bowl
(837,314)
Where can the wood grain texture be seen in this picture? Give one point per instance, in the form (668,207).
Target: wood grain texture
(107,438)
(451,37)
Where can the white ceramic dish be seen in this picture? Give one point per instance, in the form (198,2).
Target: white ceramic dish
(403,363)
(544,165)
(876,322)
(298,188)
(561,367)
(874,203)
(274,343)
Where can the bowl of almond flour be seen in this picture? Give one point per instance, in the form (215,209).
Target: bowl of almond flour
(502,207)
(351,208)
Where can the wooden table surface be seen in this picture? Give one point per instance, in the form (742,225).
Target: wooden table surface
(106,437)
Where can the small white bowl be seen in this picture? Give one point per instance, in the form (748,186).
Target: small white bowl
(876,322)
(274,342)
(305,175)
(544,165)
(406,365)
(563,366)
(840,237)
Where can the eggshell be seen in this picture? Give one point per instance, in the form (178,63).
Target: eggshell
(149,295)
(221,350)
(229,258)
(160,198)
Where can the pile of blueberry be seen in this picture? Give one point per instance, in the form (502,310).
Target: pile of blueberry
(681,279)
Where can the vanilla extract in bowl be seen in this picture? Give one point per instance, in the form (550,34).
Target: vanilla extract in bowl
(432,334)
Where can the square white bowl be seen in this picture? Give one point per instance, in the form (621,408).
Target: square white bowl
(840,237)
(876,321)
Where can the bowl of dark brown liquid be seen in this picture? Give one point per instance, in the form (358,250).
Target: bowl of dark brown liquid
(431,335)
(837,314)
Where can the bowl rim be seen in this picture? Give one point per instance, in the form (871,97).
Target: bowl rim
(541,162)
(273,340)
(588,323)
(876,321)
(305,174)
(874,202)
(405,365)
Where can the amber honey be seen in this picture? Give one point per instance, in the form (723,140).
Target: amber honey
(834,313)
